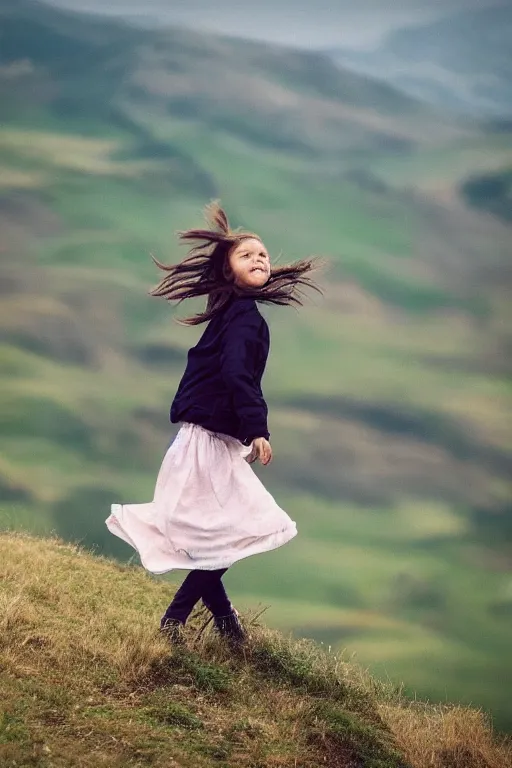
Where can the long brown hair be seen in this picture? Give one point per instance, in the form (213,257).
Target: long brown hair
(202,272)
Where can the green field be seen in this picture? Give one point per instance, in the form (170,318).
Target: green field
(389,398)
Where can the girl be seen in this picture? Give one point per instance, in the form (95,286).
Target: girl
(209,508)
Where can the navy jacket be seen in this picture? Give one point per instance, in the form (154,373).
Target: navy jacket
(221,387)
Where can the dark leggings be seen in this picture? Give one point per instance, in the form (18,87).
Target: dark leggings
(200,584)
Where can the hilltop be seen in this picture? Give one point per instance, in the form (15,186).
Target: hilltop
(87,681)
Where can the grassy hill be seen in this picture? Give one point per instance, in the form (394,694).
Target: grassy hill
(87,681)
(389,400)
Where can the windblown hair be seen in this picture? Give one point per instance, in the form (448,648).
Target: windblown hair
(203,271)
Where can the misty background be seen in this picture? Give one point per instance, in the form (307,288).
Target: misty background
(287,22)
(378,136)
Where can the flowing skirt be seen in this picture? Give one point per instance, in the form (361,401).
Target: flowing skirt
(209,508)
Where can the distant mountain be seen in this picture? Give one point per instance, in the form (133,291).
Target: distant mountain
(463,62)
(79,66)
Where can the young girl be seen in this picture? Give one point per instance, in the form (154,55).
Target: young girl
(209,508)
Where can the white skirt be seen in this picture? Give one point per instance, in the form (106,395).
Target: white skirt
(209,508)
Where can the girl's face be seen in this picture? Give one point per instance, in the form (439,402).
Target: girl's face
(249,263)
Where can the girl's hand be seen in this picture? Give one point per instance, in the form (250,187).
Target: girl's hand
(262,450)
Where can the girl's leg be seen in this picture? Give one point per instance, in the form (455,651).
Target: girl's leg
(195,585)
(215,597)
(225,616)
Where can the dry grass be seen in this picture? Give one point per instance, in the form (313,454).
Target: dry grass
(87,681)
(76,153)
(12,178)
(435,737)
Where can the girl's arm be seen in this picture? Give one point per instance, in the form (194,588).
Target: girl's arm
(240,350)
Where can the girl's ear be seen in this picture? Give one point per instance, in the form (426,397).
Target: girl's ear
(227,272)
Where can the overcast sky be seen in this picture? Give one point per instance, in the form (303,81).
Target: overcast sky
(303,23)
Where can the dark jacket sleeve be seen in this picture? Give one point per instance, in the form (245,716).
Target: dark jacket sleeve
(241,347)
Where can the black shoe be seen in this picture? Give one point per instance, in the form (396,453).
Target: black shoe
(230,627)
(172,629)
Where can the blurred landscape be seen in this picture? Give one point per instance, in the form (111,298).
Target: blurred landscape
(460,61)
(390,399)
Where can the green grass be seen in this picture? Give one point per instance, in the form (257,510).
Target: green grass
(449,163)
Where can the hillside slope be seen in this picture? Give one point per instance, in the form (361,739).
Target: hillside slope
(87,681)
(88,69)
